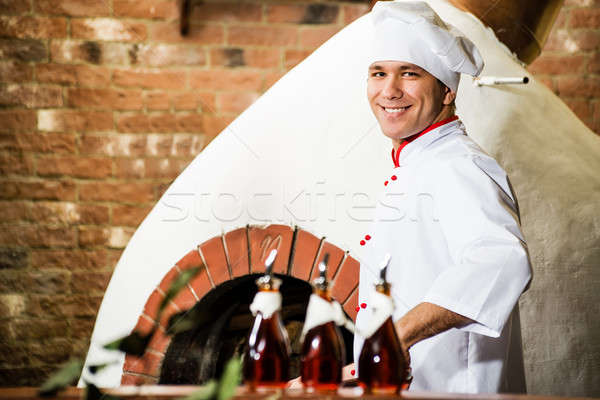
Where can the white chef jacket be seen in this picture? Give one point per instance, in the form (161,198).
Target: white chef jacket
(449,220)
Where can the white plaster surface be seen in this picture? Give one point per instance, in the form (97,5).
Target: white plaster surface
(305,153)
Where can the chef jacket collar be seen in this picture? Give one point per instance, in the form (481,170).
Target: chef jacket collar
(419,141)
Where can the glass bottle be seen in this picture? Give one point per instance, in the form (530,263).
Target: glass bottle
(267,357)
(382,367)
(323,350)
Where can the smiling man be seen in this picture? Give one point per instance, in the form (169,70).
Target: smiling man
(447,215)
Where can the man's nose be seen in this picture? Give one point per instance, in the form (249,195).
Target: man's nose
(392,88)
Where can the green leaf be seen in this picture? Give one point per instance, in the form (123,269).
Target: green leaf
(231,378)
(68,375)
(134,343)
(179,283)
(206,392)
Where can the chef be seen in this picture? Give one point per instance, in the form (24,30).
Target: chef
(446,215)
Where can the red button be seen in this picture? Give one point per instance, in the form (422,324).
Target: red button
(357,308)
(394,177)
(362,242)
(385,183)
(353,372)
(363,305)
(368,237)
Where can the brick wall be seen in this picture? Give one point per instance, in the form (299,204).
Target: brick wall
(570,61)
(103,103)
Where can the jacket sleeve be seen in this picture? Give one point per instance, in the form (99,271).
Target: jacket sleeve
(489,266)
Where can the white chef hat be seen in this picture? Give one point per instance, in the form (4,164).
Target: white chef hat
(412,32)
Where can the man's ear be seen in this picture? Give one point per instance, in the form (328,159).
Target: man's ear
(449,96)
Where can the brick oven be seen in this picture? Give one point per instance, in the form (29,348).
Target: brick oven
(223,291)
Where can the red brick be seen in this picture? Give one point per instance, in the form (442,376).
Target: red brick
(212,126)
(191,260)
(315,13)
(214,254)
(37,236)
(89,282)
(200,284)
(226,80)
(187,145)
(169,32)
(152,304)
(163,122)
(306,248)
(160,341)
(185,299)
(150,80)
(39,143)
(13,211)
(236,244)
(263,240)
(270,79)
(146,9)
(251,57)
(352,11)
(350,304)
(585,18)
(232,102)
(576,86)
(156,101)
(168,279)
(79,167)
(74,8)
(311,38)
(31,96)
(162,55)
(115,145)
(12,72)
(14,163)
(137,123)
(18,120)
(33,27)
(336,255)
(124,192)
(37,190)
(346,279)
(262,36)
(67,213)
(67,51)
(293,13)
(77,121)
(137,380)
(227,12)
(150,168)
(14,7)
(82,75)
(129,215)
(293,57)
(105,99)
(581,108)
(93,236)
(191,123)
(23,50)
(108,29)
(555,65)
(91,260)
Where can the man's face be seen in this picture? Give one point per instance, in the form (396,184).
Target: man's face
(405,98)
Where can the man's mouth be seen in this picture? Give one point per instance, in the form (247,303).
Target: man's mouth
(394,110)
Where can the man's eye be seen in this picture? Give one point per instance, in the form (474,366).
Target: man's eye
(410,74)
(378,74)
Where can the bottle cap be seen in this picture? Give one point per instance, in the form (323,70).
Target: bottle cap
(268,281)
(383,285)
(321,282)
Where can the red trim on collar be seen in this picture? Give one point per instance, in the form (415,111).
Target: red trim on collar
(396,155)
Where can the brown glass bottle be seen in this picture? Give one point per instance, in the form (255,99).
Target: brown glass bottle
(267,357)
(381,364)
(322,354)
